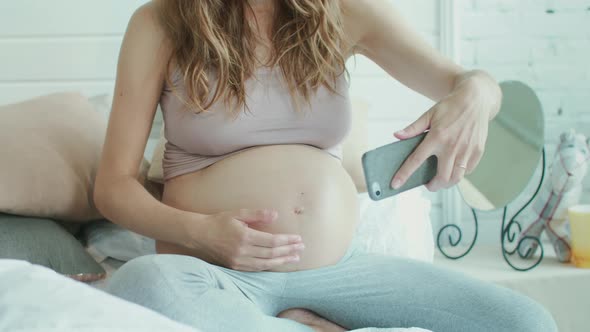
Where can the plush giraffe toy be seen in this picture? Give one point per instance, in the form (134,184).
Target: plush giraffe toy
(562,190)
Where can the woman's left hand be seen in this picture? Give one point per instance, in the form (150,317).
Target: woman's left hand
(458,131)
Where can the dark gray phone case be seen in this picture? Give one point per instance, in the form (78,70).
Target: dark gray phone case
(381,164)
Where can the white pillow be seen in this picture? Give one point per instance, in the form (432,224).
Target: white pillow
(398,226)
(105,239)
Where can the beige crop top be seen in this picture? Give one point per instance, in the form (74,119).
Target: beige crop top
(195,141)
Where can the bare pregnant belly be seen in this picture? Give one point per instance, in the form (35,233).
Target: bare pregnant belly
(313,194)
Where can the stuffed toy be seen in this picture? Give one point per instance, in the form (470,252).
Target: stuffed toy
(562,190)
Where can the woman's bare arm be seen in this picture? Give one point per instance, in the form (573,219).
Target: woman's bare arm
(466,100)
(389,41)
(118,194)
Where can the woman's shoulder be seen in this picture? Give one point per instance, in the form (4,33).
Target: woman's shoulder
(146,17)
(363,12)
(145,27)
(363,6)
(355,25)
(146,23)
(359,16)
(145,40)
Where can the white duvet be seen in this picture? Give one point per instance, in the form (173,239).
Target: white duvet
(34,298)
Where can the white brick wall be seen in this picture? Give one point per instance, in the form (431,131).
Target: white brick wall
(49,46)
(544,43)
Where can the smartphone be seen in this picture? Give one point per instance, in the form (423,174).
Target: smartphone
(381,164)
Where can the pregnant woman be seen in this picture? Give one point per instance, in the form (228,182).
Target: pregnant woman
(255,226)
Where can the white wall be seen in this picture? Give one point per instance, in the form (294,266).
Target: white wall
(48,46)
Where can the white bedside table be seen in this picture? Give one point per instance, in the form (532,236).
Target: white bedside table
(563,289)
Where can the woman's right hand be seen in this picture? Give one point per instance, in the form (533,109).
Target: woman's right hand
(230,242)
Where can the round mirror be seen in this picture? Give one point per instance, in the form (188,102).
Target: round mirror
(513,149)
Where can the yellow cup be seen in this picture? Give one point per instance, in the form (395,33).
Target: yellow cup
(579,216)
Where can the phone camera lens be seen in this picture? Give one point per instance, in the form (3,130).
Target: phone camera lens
(376,189)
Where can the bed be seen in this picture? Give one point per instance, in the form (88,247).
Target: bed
(33,297)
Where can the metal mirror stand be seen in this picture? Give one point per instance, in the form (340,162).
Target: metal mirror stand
(509,234)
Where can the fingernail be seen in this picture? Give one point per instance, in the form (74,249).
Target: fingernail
(295,258)
(401,132)
(396,184)
(300,246)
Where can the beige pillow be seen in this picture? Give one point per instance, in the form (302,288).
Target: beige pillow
(50,149)
(353,148)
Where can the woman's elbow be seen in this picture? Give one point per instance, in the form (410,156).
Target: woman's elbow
(107,189)
(99,194)
(103,192)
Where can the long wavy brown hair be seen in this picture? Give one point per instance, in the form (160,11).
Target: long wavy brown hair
(307,43)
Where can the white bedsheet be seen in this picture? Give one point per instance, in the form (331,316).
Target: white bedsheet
(34,298)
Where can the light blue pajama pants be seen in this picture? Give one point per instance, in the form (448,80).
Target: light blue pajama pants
(362,290)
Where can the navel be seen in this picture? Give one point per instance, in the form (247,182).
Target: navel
(298,210)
